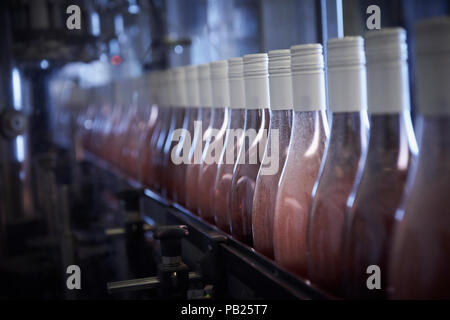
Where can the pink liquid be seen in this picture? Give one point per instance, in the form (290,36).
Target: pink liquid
(309,134)
(192,172)
(152,129)
(266,188)
(169,167)
(225,170)
(130,139)
(326,218)
(420,258)
(370,219)
(244,175)
(208,171)
(157,155)
(148,117)
(180,169)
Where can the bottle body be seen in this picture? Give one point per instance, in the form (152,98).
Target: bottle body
(245,172)
(420,257)
(232,143)
(301,168)
(169,166)
(326,217)
(120,136)
(208,167)
(181,150)
(158,153)
(148,136)
(130,139)
(267,180)
(195,157)
(370,215)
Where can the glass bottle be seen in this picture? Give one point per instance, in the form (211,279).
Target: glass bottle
(257,116)
(128,111)
(113,115)
(118,121)
(214,143)
(348,104)
(232,143)
(178,103)
(151,127)
(155,176)
(264,200)
(129,166)
(88,121)
(380,180)
(101,122)
(307,143)
(200,136)
(185,142)
(420,258)
(180,150)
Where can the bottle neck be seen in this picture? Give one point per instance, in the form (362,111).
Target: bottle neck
(391,131)
(281,119)
(237,118)
(432,134)
(349,130)
(308,123)
(256,119)
(217,117)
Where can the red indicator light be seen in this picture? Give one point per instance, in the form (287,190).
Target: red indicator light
(116,60)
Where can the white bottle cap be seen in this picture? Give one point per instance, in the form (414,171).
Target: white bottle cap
(347,83)
(180,99)
(256,79)
(236,83)
(204,78)
(387,71)
(433,66)
(219,84)
(280,79)
(308,81)
(192,87)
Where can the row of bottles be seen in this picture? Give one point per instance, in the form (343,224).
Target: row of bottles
(247,144)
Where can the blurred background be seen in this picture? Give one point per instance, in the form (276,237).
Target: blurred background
(41,60)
